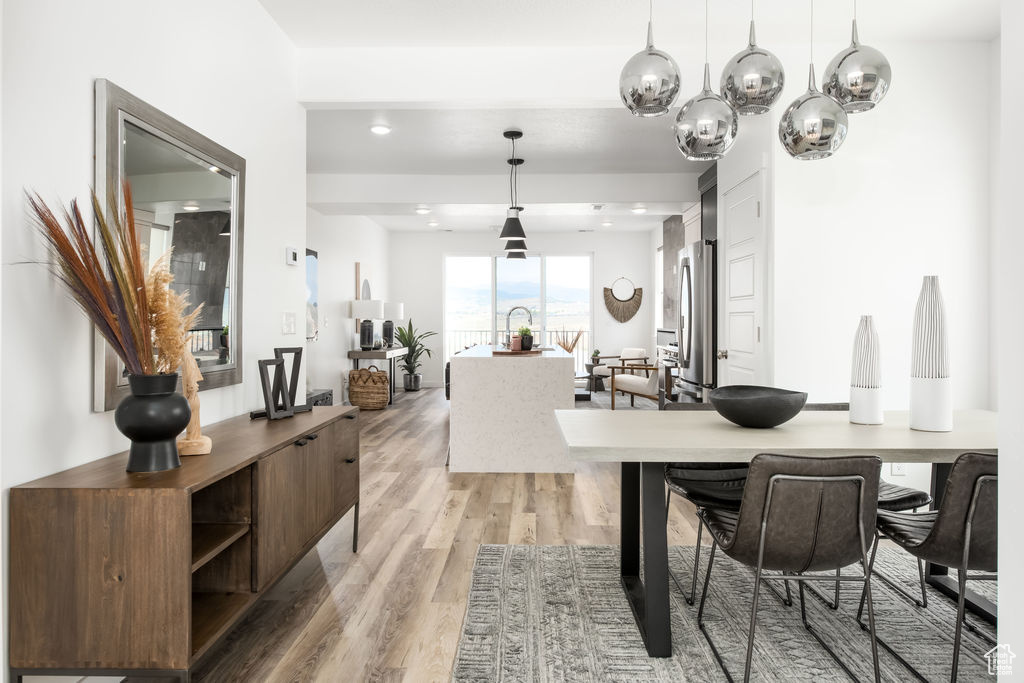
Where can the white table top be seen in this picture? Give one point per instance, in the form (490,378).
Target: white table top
(704,435)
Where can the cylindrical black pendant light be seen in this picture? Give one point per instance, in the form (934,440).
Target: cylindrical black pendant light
(515,245)
(513,228)
(515,254)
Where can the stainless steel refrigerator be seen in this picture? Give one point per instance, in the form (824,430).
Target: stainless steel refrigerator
(697,323)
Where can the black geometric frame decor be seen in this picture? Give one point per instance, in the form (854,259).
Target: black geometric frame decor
(279,392)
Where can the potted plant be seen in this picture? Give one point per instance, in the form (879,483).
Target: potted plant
(526,334)
(224,337)
(414,350)
(135,311)
(595,356)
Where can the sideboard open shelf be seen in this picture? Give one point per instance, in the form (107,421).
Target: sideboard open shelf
(144,573)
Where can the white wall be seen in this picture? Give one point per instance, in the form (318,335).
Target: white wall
(223,68)
(1010,284)
(417,267)
(855,234)
(341,241)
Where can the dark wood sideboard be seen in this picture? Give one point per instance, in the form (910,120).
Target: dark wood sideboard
(142,574)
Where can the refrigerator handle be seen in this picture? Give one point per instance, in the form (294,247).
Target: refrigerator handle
(707,312)
(685,339)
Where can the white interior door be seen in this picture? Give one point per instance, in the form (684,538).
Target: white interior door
(742,266)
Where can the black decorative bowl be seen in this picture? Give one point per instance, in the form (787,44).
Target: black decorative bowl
(757,407)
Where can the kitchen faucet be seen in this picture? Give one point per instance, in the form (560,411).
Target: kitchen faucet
(508,322)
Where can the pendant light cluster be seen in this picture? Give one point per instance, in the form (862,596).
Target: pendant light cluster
(515,247)
(814,126)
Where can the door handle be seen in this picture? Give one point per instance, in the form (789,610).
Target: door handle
(312,437)
(723,353)
(301,442)
(350,460)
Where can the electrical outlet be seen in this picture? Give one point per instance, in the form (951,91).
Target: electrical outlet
(898,469)
(288,323)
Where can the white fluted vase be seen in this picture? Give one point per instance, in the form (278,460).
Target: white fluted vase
(931,388)
(866,375)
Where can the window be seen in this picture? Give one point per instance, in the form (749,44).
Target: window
(481,290)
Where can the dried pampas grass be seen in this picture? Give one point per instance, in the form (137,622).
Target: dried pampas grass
(136,312)
(171,326)
(563,339)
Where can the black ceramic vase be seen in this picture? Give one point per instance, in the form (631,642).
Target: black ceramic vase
(152,417)
(527,342)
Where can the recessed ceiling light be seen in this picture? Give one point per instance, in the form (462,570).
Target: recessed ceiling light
(423,210)
(190,207)
(639,209)
(607,224)
(380,129)
(432,224)
(586,230)
(214,169)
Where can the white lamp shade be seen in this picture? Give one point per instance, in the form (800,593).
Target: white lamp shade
(394,311)
(368,309)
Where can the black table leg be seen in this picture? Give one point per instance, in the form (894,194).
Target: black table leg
(938,576)
(643,488)
(391,381)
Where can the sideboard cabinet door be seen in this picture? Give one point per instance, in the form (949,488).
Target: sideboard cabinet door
(345,434)
(283,509)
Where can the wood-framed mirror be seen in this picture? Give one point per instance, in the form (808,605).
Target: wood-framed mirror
(189,196)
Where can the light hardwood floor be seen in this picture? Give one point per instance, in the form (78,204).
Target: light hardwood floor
(393,611)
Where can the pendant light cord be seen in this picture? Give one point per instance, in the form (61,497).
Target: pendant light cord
(705,31)
(812,32)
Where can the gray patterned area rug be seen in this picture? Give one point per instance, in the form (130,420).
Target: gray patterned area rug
(557,613)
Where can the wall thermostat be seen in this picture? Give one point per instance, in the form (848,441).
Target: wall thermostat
(291,256)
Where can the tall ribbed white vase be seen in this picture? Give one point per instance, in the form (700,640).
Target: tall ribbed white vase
(931,389)
(866,375)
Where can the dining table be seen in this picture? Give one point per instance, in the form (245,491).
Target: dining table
(644,440)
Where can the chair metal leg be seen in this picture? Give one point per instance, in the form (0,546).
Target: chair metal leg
(807,625)
(870,567)
(753,624)
(696,564)
(871,611)
(961,579)
(704,591)
(700,614)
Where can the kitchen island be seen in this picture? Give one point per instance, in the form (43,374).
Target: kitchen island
(503,410)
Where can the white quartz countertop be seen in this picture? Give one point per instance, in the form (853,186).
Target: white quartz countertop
(487,351)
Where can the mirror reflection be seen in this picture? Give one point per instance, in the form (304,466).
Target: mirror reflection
(184,204)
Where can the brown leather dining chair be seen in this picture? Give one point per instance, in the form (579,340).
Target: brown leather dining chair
(720,485)
(962,534)
(798,515)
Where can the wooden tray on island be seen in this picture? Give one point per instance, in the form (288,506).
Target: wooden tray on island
(504,352)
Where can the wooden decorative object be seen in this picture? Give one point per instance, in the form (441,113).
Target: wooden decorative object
(193,443)
(623,310)
(157,568)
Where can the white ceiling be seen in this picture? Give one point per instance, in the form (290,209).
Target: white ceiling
(531,23)
(490,217)
(469,141)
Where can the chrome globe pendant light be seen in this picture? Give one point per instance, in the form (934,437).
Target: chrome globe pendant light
(513,228)
(753,79)
(706,125)
(814,126)
(649,82)
(859,76)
